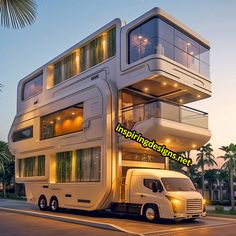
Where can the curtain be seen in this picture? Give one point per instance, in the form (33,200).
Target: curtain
(57,72)
(111,41)
(70,66)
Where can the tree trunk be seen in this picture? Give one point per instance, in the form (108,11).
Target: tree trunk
(203,187)
(4,189)
(231,189)
(221,192)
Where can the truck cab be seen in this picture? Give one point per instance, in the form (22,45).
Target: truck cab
(163,194)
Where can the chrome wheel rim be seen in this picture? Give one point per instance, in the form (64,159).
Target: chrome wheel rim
(42,203)
(54,205)
(150,214)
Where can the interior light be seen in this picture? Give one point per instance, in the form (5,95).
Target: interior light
(198,95)
(194,145)
(145,40)
(188,44)
(58,118)
(146,89)
(140,37)
(191,53)
(175,85)
(181,100)
(51,122)
(167,140)
(72,113)
(164,83)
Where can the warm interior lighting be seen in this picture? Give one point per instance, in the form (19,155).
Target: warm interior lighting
(167,140)
(194,145)
(175,85)
(72,113)
(145,40)
(198,95)
(51,122)
(58,118)
(146,89)
(164,83)
(181,100)
(140,37)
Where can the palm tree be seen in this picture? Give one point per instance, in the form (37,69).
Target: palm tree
(6,164)
(222,176)
(205,157)
(211,177)
(17,13)
(229,164)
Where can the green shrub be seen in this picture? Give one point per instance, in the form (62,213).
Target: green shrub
(219,208)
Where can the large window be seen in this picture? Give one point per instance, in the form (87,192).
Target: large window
(33,86)
(22,134)
(62,122)
(158,37)
(89,55)
(78,166)
(31,166)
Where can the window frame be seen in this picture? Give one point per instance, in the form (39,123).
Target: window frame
(176,27)
(28,81)
(21,130)
(82,103)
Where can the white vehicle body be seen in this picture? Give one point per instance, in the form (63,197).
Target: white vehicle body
(82,162)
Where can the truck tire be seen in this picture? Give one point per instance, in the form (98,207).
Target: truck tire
(54,205)
(42,203)
(150,213)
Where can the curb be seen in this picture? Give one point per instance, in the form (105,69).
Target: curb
(66,219)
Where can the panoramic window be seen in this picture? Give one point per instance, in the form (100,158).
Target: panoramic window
(91,54)
(33,87)
(85,167)
(22,134)
(178,184)
(31,166)
(148,183)
(66,121)
(158,37)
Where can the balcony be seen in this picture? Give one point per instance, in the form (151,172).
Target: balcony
(178,127)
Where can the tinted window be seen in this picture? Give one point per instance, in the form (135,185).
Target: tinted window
(148,183)
(62,122)
(158,37)
(33,86)
(178,184)
(22,134)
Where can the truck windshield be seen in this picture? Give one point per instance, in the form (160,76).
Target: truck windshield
(178,184)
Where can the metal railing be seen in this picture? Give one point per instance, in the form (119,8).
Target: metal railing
(163,109)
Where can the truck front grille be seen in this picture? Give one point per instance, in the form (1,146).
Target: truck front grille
(193,205)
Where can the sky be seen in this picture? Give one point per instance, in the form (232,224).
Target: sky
(62,23)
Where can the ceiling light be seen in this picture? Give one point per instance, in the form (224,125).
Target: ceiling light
(146,89)
(167,140)
(51,122)
(194,145)
(191,53)
(58,118)
(188,44)
(72,113)
(198,95)
(175,85)
(164,83)
(181,100)
(140,37)
(145,40)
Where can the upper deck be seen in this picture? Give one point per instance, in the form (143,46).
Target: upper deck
(154,48)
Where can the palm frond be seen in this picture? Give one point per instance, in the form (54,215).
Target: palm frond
(17,13)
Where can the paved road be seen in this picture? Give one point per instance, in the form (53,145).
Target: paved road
(207,226)
(12,224)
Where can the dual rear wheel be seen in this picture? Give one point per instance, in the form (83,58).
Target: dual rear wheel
(53,205)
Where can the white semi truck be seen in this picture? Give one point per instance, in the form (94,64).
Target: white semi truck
(139,74)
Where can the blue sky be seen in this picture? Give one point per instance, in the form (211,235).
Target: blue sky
(62,23)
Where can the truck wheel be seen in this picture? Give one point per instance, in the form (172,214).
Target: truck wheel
(54,206)
(42,203)
(150,213)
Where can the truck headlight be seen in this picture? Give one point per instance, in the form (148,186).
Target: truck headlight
(177,205)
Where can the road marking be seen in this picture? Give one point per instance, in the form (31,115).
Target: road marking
(165,232)
(96,224)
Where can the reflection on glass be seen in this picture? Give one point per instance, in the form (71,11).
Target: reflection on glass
(158,37)
(33,86)
(62,122)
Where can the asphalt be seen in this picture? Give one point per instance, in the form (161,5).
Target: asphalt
(123,223)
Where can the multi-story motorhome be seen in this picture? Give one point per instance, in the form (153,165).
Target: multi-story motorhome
(140,74)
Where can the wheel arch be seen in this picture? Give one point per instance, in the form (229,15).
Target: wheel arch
(149,204)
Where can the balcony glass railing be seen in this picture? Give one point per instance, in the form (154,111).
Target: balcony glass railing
(163,109)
